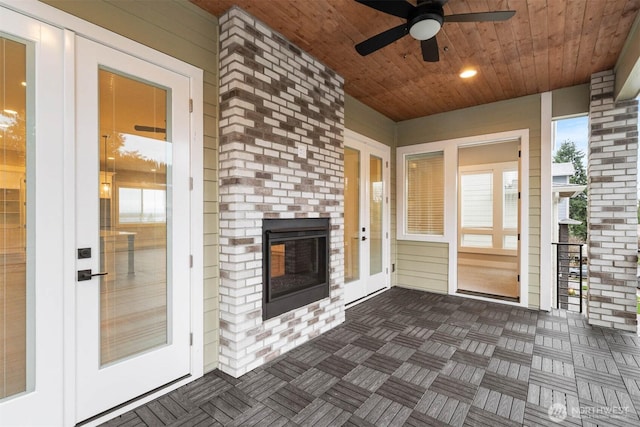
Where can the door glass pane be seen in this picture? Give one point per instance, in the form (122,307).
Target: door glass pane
(351,214)
(14,295)
(375,214)
(135,200)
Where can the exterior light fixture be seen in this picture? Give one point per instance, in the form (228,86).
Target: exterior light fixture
(468,73)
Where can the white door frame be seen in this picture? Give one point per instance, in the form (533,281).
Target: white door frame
(100,387)
(66,297)
(451,197)
(42,402)
(369,146)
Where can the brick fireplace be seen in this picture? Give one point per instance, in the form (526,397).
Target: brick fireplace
(281,157)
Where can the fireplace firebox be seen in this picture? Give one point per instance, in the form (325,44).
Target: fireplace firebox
(295,263)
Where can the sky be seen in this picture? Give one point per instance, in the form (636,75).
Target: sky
(575,129)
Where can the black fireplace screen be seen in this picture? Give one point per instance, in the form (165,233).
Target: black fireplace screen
(295,269)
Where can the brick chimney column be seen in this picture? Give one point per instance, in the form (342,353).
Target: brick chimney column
(612,217)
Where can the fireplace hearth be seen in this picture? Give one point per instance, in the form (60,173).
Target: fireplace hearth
(295,263)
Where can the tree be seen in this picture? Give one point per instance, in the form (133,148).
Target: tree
(569,153)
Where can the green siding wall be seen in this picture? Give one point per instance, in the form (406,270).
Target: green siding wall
(570,101)
(186,32)
(368,122)
(423,266)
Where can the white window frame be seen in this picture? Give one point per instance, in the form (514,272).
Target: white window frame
(497,231)
(402,154)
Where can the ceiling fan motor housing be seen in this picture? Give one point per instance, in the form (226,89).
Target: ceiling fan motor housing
(425,21)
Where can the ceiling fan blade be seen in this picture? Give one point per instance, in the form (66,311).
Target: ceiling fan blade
(395,8)
(430,50)
(501,15)
(381,40)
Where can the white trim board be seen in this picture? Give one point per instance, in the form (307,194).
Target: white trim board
(546,201)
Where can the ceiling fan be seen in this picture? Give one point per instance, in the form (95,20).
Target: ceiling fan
(423,23)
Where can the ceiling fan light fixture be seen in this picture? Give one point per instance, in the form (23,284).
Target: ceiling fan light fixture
(425,29)
(425,26)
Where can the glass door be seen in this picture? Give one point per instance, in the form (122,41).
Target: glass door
(30,200)
(133,221)
(366,238)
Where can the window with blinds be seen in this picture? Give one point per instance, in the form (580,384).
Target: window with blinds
(425,194)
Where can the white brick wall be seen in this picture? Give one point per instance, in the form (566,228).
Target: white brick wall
(274,99)
(612,204)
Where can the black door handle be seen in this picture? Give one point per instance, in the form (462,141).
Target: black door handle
(86,275)
(364,238)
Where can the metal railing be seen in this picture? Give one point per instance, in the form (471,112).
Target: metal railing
(570,270)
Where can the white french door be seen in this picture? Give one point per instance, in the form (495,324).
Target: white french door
(133,197)
(31,213)
(366,200)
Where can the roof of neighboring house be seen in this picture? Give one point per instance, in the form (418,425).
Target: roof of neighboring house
(569,221)
(568,190)
(562,169)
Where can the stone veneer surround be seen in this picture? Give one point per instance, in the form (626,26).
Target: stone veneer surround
(281,156)
(612,205)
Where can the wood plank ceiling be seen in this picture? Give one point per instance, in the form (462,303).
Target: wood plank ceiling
(548,44)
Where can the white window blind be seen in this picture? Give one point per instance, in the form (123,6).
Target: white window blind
(477,200)
(425,193)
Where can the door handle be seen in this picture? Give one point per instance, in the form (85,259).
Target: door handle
(364,238)
(86,275)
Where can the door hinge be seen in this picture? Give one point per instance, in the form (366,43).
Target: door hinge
(387,199)
(190,261)
(191,105)
(190,338)
(387,165)
(387,271)
(387,234)
(518,237)
(519,153)
(518,195)
(190,183)
(518,278)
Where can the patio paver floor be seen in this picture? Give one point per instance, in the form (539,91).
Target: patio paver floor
(420,359)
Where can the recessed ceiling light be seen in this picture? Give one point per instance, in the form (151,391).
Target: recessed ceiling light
(469,72)
(23,84)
